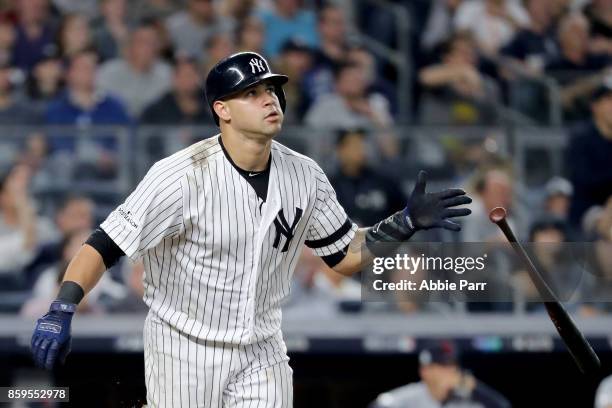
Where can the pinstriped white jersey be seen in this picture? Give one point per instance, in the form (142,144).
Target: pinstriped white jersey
(218,260)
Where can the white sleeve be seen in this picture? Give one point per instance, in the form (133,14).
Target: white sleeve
(153,212)
(330,230)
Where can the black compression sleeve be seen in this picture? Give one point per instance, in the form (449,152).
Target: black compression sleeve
(107,248)
(70,292)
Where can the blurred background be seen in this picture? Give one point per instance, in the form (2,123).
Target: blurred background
(509,99)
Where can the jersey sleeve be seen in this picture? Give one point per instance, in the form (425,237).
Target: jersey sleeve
(151,213)
(330,230)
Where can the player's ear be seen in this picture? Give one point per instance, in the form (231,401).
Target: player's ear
(221,109)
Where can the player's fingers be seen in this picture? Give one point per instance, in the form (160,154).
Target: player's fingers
(51,355)
(41,352)
(421,182)
(456,212)
(459,200)
(34,341)
(450,193)
(64,351)
(450,225)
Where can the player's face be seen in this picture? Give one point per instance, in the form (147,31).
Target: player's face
(256,110)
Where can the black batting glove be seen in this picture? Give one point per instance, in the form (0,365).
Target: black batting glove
(433,210)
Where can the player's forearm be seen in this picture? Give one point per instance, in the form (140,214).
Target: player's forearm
(86,268)
(357,257)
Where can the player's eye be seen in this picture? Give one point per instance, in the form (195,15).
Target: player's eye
(251,92)
(270,89)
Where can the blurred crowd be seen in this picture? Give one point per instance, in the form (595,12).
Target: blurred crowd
(89,64)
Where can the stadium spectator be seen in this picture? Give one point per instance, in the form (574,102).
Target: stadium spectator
(140,77)
(295,60)
(599,14)
(444,383)
(35,33)
(73,35)
(45,81)
(47,285)
(375,83)
(87,8)
(331,53)
(534,44)
(455,91)
(14,110)
(558,197)
(317,290)
(588,156)
(21,230)
(350,106)
(111,30)
(439,26)
(287,19)
(250,34)
(493,187)
(189,29)
(217,46)
(575,55)
(183,104)
(364,193)
(559,266)
(235,11)
(597,225)
(493,23)
(80,104)
(7,41)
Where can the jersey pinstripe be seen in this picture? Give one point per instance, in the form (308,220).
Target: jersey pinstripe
(218,260)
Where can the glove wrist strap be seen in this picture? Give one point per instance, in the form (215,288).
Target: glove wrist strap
(392,230)
(59,306)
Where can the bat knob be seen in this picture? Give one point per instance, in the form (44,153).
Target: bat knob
(497,214)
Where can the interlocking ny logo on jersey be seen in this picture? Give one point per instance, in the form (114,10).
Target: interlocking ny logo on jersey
(283,228)
(257,65)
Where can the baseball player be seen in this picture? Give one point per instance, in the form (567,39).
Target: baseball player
(219,227)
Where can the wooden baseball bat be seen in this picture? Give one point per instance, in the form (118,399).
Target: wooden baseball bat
(574,340)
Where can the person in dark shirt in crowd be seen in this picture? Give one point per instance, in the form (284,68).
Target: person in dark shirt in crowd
(535,44)
(575,55)
(330,54)
(444,383)
(45,81)
(184,103)
(13,109)
(588,156)
(35,33)
(365,194)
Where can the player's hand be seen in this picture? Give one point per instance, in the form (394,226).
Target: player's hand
(51,340)
(433,210)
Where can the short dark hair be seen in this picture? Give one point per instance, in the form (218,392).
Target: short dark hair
(343,134)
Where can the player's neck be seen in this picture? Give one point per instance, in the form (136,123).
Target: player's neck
(247,153)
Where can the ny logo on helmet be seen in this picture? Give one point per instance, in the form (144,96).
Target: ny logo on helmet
(257,65)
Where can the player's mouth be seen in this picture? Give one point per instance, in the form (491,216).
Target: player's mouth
(272,116)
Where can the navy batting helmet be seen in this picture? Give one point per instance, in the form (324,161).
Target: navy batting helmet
(238,72)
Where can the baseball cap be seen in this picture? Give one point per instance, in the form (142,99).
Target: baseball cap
(558,186)
(441,352)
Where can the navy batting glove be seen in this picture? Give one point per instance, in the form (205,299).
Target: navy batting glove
(431,210)
(51,340)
